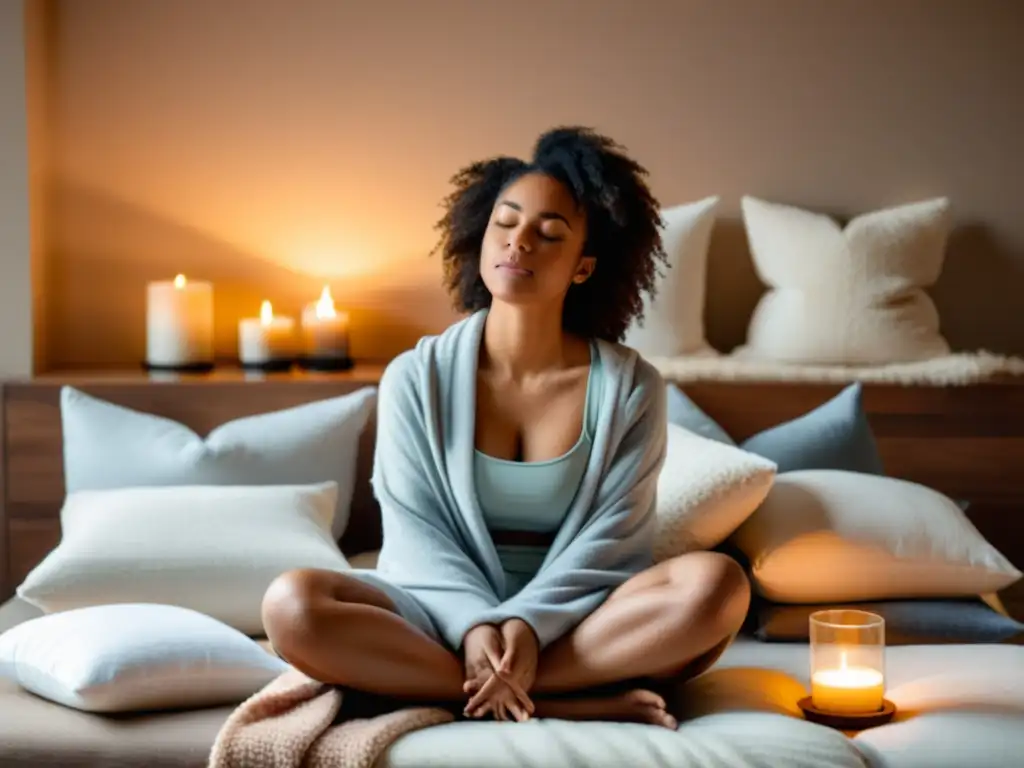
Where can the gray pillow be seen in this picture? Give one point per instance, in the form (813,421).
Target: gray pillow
(835,435)
(907,622)
(110,446)
(685,413)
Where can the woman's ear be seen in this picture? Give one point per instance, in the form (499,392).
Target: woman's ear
(584,270)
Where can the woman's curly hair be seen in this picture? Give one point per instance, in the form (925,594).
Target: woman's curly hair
(623,228)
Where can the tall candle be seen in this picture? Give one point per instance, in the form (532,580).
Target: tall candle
(847,689)
(325,333)
(179,323)
(267,340)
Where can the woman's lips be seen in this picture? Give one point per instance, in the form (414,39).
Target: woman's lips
(515,269)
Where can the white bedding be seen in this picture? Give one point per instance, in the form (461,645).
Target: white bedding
(960,706)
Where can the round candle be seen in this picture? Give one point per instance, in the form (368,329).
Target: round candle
(179,323)
(267,338)
(324,329)
(847,690)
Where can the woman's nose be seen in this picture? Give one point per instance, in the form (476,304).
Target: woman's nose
(519,241)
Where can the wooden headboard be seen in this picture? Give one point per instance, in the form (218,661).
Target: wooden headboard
(967,442)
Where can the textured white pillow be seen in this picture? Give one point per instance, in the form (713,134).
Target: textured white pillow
(825,536)
(706,490)
(109,446)
(846,296)
(125,658)
(674,319)
(214,549)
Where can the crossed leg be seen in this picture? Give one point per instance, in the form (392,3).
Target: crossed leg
(672,620)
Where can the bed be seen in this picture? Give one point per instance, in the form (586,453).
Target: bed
(959,704)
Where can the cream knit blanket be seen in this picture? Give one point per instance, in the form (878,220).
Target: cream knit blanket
(293,723)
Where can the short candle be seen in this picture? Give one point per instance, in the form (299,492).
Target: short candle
(267,338)
(847,690)
(324,332)
(847,662)
(179,323)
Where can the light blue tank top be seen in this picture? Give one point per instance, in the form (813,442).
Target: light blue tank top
(535,496)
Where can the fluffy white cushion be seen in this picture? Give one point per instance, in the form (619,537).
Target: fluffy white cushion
(214,549)
(824,536)
(706,489)
(123,658)
(109,446)
(674,319)
(846,296)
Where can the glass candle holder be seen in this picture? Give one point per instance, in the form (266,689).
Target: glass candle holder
(847,662)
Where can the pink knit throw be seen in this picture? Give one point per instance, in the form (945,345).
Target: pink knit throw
(292,723)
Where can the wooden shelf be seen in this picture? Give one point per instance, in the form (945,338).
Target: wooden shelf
(362,372)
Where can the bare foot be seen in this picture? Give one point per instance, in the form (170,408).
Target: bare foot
(636,706)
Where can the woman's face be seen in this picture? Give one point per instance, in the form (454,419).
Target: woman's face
(533,247)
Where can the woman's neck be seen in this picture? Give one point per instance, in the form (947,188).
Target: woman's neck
(521,341)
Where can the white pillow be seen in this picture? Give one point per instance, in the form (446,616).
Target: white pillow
(706,489)
(826,536)
(846,296)
(214,549)
(109,446)
(674,319)
(124,658)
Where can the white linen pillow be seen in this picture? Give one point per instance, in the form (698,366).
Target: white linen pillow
(133,657)
(706,490)
(214,549)
(109,446)
(824,536)
(846,296)
(674,319)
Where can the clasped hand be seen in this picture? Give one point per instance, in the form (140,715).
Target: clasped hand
(501,665)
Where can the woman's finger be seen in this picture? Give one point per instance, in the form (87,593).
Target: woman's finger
(505,663)
(484,693)
(519,693)
(494,657)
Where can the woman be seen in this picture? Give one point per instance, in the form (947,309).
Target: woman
(516,466)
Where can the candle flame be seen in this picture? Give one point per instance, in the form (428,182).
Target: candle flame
(179,282)
(266,313)
(842,659)
(325,305)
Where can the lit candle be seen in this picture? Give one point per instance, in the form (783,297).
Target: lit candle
(847,690)
(179,324)
(267,341)
(325,334)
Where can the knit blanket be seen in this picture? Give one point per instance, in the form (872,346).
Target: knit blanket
(297,722)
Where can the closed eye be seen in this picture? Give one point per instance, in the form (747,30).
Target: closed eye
(540,232)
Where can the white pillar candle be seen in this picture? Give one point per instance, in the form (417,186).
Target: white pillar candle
(267,339)
(324,333)
(179,323)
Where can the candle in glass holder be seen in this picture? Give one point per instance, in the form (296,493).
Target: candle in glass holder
(179,324)
(847,662)
(325,335)
(267,341)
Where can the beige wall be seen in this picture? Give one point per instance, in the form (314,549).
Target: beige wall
(271,145)
(15,278)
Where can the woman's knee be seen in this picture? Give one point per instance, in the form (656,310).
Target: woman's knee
(288,602)
(716,587)
(297,602)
